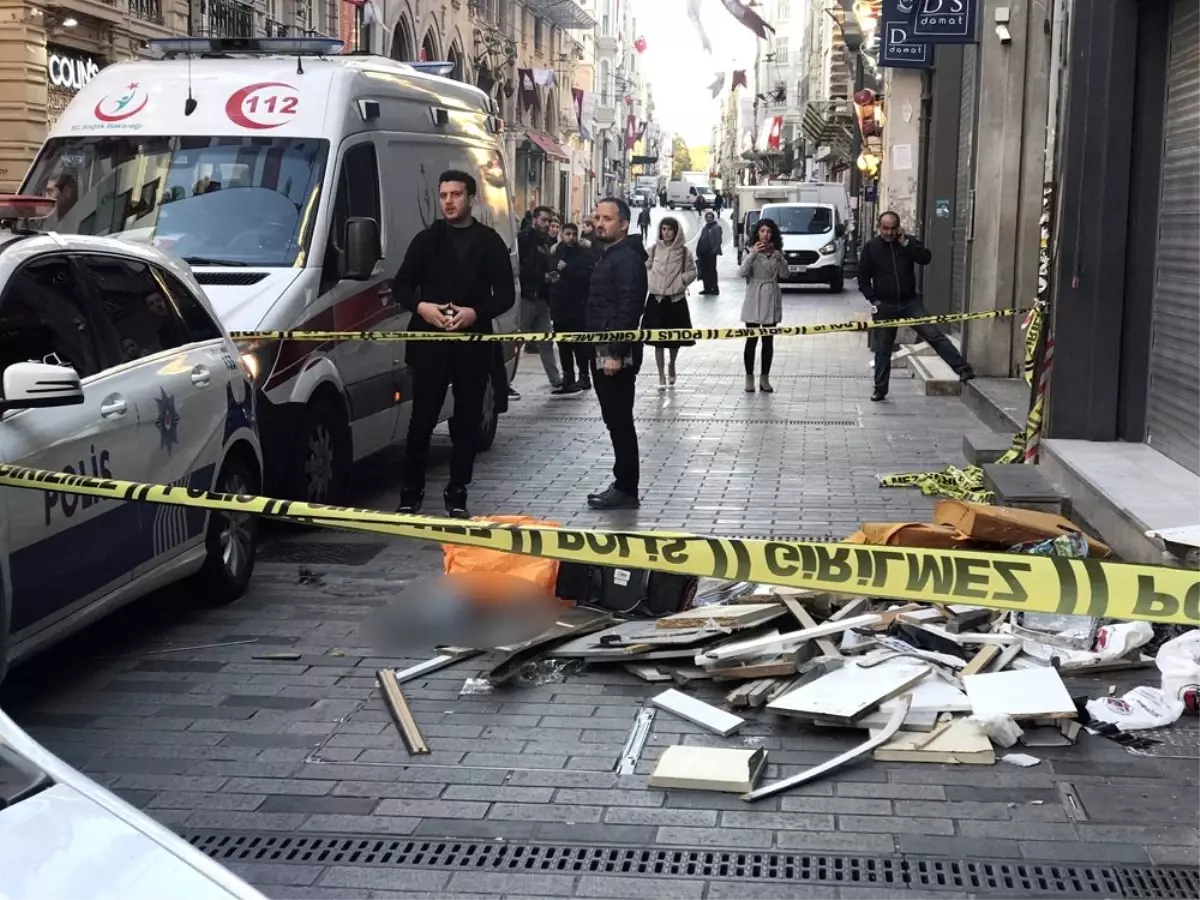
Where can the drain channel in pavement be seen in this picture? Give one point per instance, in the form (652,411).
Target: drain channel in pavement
(1002,877)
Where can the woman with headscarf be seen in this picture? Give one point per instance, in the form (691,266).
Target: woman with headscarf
(762,268)
(670,269)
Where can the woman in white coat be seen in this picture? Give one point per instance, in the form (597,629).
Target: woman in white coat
(763,307)
(670,269)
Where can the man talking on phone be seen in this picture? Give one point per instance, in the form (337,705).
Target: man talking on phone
(456,277)
(888,279)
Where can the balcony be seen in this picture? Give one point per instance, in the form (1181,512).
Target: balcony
(565,14)
(606,45)
(147,10)
(275,29)
(605,115)
(226,18)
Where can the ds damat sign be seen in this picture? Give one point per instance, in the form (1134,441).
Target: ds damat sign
(910,29)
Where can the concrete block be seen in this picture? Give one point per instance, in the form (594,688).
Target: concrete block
(1024,487)
(981,449)
(937,378)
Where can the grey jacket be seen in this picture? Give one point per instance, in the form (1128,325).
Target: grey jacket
(764,298)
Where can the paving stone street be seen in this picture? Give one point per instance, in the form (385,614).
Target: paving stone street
(216,744)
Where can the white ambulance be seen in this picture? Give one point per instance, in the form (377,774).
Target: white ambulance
(257,161)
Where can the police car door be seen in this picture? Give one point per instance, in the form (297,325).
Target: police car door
(172,363)
(64,550)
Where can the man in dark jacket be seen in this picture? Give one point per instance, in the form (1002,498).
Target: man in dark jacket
(708,248)
(644,221)
(888,280)
(456,276)
(615,302)
(571,276)
(533,246)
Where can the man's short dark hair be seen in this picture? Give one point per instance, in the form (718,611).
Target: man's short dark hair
(894,215)
(466,180)
(621,205)
(571,226)
(538,210)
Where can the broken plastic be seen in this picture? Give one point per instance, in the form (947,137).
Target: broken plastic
(1179,661)
(1003,730)
(1024,760)
(717,592)
(548,671)
(1141,709)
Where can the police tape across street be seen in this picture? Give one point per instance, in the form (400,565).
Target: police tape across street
(608,337)
(1007,581)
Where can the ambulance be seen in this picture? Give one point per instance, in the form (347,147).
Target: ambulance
(291,179)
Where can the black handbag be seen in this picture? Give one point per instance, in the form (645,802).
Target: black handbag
(637,593)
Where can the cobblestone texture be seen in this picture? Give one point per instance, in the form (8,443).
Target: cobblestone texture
(215,739)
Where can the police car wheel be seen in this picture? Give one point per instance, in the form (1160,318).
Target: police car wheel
(232,538)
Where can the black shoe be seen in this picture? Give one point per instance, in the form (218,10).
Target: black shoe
(513,393)
(966,375)
(878,395)
(585,384)
(410,501)
(566,389)
(456,502)
(614,499)
(594,494)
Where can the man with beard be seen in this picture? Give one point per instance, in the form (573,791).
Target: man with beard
(533,248)
(571,275)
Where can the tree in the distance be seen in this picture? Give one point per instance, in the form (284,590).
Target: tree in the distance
(681,158)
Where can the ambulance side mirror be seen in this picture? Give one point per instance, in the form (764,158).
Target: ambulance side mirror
(363,248)
(36,385)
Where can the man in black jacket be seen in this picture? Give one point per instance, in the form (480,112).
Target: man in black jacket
(615,302)
(456,276)
(533,246)
(888,280)
(571,276)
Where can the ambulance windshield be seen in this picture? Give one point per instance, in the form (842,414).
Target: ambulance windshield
(232,201)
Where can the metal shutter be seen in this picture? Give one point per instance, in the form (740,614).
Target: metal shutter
(964,185)
(1173,410)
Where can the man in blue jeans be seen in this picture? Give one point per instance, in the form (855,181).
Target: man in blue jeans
(888,279)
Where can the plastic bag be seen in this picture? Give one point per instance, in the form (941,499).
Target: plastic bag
(1121,639)
(1179,661)
(1002,730)
(459,560)
(1141,709)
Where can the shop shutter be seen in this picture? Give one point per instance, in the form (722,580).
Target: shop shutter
(964,186)
(1173,410)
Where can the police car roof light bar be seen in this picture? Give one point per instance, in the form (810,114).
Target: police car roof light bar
(168,48)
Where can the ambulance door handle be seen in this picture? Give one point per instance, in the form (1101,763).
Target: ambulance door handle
(113,407)
(201,376)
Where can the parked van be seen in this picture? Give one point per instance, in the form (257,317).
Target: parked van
(682,194)
(814,242)
(252,160)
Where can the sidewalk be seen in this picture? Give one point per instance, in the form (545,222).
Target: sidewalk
(214,742)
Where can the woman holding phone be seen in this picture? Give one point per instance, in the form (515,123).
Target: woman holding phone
(762,268)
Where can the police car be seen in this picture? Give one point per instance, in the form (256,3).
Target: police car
(112,365)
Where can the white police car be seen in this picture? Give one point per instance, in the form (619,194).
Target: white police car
(112,364)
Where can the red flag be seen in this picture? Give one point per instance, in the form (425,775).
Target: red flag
(776,133)
(748,17)
(631,131)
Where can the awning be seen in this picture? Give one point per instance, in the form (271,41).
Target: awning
(552,148)
(566,14)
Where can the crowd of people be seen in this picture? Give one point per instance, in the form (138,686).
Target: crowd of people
(597,276)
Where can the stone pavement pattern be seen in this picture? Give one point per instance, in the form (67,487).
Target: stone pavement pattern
(214,740)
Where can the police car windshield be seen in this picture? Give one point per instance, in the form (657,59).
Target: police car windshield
(800,219)
(223,200)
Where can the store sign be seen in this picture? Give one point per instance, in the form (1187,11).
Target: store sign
(898,48)
(945,21)
(70,70)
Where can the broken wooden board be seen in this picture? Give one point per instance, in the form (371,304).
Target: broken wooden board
(1021,694)
(981,660)
(796,608)
(928,698)
(646,672)
(779,667)
(957,742)
(723,617)
(393,699)
(698,712)
(849,693)
(783,642)
(862,749)
(708,769)
(448,657)
(856,606)
(752,694)
(617,643)
(683,674)
(898,646)
(967,619)
(571,623)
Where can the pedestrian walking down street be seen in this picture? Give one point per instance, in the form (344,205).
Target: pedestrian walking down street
(465,265)
(671,268)
(762,268)
(644,222)
(526,220)
(708,248)
(887,278)
(571,277)
(718,203)
(616,301)
(533,248)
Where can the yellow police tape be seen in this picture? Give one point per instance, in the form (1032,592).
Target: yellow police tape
(998,580)
(644,335)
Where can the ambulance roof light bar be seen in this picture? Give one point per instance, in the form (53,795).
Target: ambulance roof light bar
(169,48)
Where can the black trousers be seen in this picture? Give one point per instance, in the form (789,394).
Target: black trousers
(571,355)
(615,393)
(707,263)
(885,340)
(465,370)
(768,352)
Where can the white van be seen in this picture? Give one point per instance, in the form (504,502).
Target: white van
(248,159)
(682,194)
(814,242)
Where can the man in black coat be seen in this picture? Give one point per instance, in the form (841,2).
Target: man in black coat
(571,276)
(456,276)
(708,248)
(534,245)
(887,278)
(615,302)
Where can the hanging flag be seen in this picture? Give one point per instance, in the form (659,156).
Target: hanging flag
(528,90)
(544,77)
(587,114)
(776,133)
(739,80)
(371,14)
(716,86)
(640,45)
(748,17)
(631,131)
(694,15)
(577,105)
